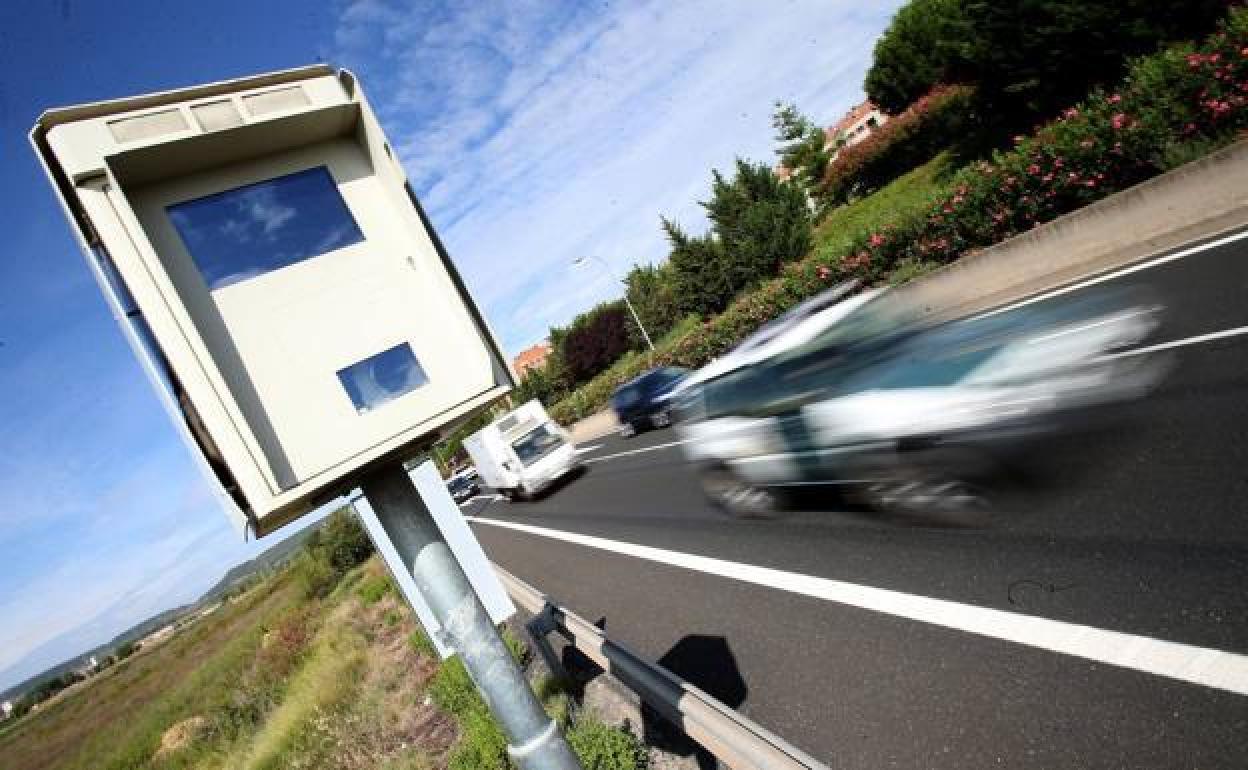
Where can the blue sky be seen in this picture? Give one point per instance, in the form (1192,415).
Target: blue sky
(534,132)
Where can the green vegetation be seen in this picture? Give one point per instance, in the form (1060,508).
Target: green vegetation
(694,342)
(1027,58)
(278,678)
(1172,107)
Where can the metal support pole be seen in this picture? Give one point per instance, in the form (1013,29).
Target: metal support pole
(644,333)
(534,740)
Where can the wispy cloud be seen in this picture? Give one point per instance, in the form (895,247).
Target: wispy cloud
(537,132)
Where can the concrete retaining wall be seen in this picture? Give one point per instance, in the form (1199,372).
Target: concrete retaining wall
(1194,202)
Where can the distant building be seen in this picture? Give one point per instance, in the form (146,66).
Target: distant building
(858,124)
(532,358)
(7,709)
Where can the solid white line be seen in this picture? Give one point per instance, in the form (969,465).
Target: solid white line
(1119,273)
(1237,331)
(590,448)
(1188,663)
(643,450)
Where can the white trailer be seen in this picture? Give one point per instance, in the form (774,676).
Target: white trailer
(522,452)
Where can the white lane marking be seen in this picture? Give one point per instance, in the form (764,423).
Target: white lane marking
(1188,663)
(1183,342)
(1119,273)
(583,449)
(654,448)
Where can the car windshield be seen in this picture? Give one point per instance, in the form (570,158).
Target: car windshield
(536,444)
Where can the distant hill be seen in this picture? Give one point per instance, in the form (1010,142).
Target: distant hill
(273,557)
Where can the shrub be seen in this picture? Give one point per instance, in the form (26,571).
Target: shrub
(314,575)
(652,290)
(602,747)
(758,223)
(1184,97)
(593,340)
(374,588)
(936,120)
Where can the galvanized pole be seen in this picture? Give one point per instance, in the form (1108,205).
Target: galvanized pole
(534,740)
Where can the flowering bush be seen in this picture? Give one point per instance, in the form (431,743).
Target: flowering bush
(1184,96)
(930,124)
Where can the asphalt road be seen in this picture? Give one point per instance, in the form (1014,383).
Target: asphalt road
(1137,527)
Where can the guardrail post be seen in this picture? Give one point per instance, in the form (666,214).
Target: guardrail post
(534,740)
(540,627)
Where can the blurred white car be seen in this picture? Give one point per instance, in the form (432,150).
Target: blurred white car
(908,415)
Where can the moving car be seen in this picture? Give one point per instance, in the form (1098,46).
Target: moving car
(910,416)
(523,452)
(644,401)
(463,484)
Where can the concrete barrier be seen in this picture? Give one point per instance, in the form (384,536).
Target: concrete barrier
(1194,202)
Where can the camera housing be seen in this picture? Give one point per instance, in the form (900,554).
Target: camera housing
(273,270)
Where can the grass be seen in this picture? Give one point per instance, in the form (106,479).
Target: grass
(276,679)
(906,196)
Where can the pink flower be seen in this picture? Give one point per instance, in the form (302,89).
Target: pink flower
(823,272)
(1058,163)
(1018,139)
(1115,99)
(1033,169)
(877,240)
(1118,121)
(1090,183)
(1071,113)
(1072,176)
(1243,52)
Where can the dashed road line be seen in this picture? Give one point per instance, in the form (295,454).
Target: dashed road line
(643,450)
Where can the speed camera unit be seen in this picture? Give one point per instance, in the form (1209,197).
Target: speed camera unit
(262,247)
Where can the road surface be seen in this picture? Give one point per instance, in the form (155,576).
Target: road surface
(1138,532)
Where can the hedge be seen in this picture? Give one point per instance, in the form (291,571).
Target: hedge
(936,120)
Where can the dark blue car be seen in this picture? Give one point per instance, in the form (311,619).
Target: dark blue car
(643,402)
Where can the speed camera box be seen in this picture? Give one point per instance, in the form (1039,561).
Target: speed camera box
(261,245)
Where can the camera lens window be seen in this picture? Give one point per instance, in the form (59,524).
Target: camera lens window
(382,378)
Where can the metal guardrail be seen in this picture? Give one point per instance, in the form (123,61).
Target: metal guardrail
(735,740)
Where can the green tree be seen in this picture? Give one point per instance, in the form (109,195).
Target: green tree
(1034,57)
(924,45)
(1029,58)
(702,283)
(760,222)
(652,290)
(802,145)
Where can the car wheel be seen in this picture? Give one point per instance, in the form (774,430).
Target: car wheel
(735,496)
(628,430)
(926,497)
(662,419)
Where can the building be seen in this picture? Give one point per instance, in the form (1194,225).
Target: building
(532,358)
(6,709)
(857,125)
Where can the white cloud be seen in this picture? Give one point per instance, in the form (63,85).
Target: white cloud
(536,133)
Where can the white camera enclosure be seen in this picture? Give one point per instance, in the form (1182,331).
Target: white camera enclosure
(261,246)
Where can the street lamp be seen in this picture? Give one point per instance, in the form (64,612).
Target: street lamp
(607,268)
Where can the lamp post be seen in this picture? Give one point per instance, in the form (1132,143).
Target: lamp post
(607,268)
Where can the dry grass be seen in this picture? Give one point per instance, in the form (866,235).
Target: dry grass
(99,711)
